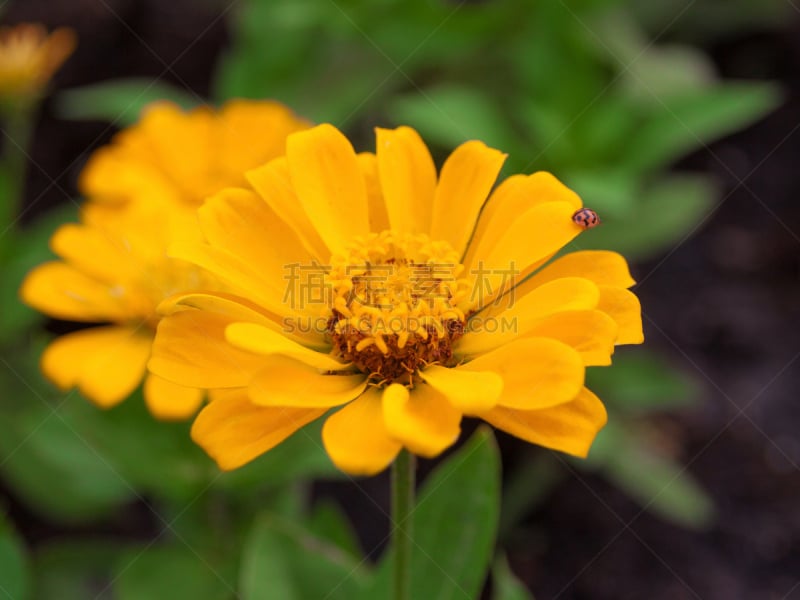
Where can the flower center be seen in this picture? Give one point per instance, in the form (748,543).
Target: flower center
(398,304)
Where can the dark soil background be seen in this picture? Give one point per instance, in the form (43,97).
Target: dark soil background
(724,305)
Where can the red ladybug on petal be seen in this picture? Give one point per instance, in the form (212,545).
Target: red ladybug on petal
(586,218)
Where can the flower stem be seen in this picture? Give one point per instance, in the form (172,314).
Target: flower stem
(17,129)
(403,474)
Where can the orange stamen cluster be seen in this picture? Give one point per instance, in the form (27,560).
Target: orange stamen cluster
(398,304)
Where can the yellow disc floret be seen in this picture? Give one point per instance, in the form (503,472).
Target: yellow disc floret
(398,304)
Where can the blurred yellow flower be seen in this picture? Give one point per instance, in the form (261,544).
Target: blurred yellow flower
(177,157)
(114,268)
(401,298)
(29,57)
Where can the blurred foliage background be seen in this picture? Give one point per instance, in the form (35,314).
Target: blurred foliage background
(610,95)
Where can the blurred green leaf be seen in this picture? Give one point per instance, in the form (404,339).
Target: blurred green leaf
(650,477)
(7,207)
(282,560)
(455,525)
(682,122)
(28,248)
(170,572)
(613,194)
(15,575)
(664,71)
(505,585)
(602,130)
(40,446)
(76,570)
(526,487)
(329,522)
(666,213)
(648,71)
(120,101)
(451,114)
(168,465)
(641,381)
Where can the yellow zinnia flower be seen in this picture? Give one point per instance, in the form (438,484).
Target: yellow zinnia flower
(29,57)
(177,157)
(143,193)
(403,299)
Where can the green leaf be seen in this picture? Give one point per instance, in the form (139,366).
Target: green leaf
(610,193)
(30,247)
(120,101)
(455,525)
(169,572)
(329,522)
(455,522)
(506,586)
(452,114)
(169,465)
(649,71)
(40,446)
(666,212)
(15,575)
(526,487)
(282,560)
(641,381)
(7,206)
(683,122)
(652,478)
(76,570)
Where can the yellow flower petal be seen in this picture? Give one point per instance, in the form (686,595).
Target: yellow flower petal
(591,332)
(422,420)
(468,391)
(466,179)
(512,198)
(378,217)
(623,306)
(329,184)
(96,253)
(105,363)
(229,305)
(356,438)
(408,179)
(536,372)
(242,278)
(266,123)
(284,381)
(116,178)
(601,266)
(190,349)
(183,143)
(234,431)
(273,183)
(169,401)
(64,292)
(261,340)
(500,324)
(570,427)
(236,308)
(236,220)
(529,240)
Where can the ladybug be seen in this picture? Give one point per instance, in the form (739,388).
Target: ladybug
(586,218)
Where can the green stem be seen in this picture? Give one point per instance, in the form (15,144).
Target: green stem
(17,128)
(403,474)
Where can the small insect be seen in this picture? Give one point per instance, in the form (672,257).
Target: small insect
(586,218)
